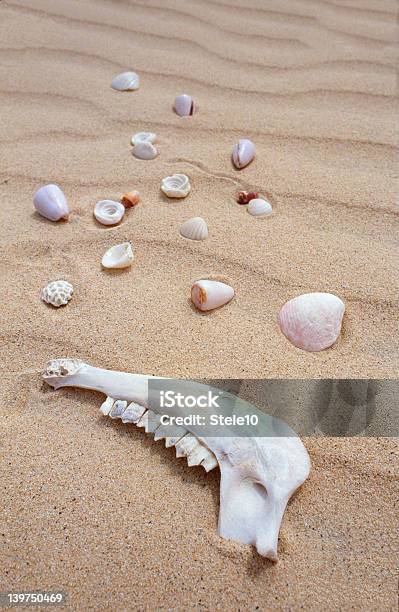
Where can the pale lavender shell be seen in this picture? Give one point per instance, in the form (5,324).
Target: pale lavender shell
(312,321)
(243,153)
(184,105)
(51,203)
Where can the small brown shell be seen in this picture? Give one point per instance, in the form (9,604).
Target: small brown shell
(243,197)
(130,199)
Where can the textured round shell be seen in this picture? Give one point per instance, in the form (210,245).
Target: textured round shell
(259,208)
(126,81)
(118,256)
(109,212)
(194,229)
(144,150)
(143,137)
(176,186)
(312,321)
(57,293)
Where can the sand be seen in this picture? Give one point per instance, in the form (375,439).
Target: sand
(96,508)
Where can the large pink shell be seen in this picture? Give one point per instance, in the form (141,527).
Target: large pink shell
(312,321)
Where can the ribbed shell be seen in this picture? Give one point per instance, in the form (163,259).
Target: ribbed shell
(194,229)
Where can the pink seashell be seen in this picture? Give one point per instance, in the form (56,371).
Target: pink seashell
(184,105)
(243,153)
(51,203)
(210,294)
(312,321)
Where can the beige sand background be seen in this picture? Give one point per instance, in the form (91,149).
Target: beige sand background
(94,507)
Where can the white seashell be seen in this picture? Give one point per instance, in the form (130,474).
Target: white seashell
(259,207)
(312,321)
(258,473)
(194,229)
(109,212)
(243,153)
(184,105)
(57,293)
(51,203)
(210,294)
(176,186)
(144,150)
(126,81)
(118,256)
(143,137)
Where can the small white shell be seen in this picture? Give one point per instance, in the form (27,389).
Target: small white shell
(194,229)
(109,212)
(176,186)
(144,150)
(210,294)
(243,153)
(312,321)
(184,105)
(143,137)
(51,203)
(259,207)
(57,293)
(126,81)
(118,256)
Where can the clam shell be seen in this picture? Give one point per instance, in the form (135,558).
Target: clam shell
(176,186)
(118,256)
(259,207)
(210,294)
(243,153)
(109,212)
(184,105)
(144,150)
(143,137)
(51,203)
(126,81)
(312,321)
(57,293)
(194,229)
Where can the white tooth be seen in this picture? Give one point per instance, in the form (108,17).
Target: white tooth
(107,405)
(209,463)
(198,454)
(186,445)
(163,432)
(143,422)
(173,440)
(118,409)
(153,421)
(133,413)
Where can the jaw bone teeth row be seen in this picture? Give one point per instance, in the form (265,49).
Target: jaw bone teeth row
(187,445)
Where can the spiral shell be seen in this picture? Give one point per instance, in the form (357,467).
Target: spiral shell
(144,150)
(109,212)
(176,186)
(210,294)
(118,256)
(194,229)
(57,293)
(126,81)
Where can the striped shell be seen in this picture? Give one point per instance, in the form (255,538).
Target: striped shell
(194,229)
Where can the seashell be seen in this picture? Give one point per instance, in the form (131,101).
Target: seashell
(176,186)
(194,229)
(184,105)
(244,197)
(57,293)
(259,207)
(51,203)
(143,137)
(126,81)
(130,199)
(109,212)
(312,321)
(210,294)
(118,256)
(258,473)
(243,153)
(144,150)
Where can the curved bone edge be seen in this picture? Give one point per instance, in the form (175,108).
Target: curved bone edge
(258,475)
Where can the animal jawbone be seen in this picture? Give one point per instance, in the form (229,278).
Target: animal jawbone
(258,474)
